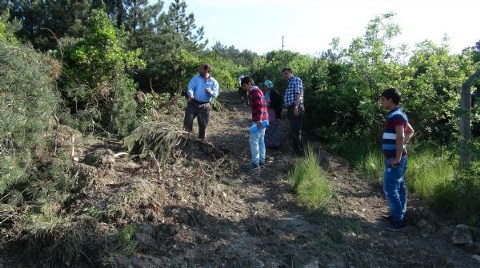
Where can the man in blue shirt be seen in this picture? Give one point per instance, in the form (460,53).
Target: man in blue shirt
(200,91)
(293,100)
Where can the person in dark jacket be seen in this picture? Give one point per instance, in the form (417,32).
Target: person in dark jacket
(274,107)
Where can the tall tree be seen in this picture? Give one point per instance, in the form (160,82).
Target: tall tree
(172,54)
(95,81)
(43,22)
(177,21)
(242,58)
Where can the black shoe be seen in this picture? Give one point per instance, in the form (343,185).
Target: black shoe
(261,164)
(396,226)
(252,166)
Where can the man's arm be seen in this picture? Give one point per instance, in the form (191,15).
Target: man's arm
(214,90)
(190,89)
(408,133)
(399,141)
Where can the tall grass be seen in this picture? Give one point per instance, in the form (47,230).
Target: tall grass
(460,197)
(432,175)
(310,182)
(371,167)
(428,171)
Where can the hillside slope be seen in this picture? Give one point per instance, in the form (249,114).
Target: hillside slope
(202,210)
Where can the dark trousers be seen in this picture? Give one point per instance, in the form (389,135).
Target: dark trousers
(296,129)
(202,112)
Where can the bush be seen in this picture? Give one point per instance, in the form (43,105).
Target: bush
(28,103)
(460,197)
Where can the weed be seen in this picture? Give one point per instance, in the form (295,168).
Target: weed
(371,167)
(310,182)
(125,239)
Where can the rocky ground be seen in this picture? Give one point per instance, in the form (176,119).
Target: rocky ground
(202,210)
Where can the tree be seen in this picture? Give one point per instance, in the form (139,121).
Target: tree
(8,29)
(43,22)
(138,18)
(243,58)
(94,80)
(178,22)
(172,53)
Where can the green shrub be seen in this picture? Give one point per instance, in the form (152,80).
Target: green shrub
(310,182)
(95,84)
(28,103)
(460,197)
(428,170)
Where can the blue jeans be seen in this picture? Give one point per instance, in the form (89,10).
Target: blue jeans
(257,146)
(395,189)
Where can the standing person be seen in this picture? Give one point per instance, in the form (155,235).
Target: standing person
(274,104)
(396,135)
(293,100)
(259,113)
(200,91)
(243,94)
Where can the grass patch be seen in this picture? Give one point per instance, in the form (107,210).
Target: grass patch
(427,171)
(353,150)
(125,237)
(460,197)
(371,167)
(310,182)
(434,177)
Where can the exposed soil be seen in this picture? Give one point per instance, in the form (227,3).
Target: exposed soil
(202,210)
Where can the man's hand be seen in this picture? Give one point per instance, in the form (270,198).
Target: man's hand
(394,163)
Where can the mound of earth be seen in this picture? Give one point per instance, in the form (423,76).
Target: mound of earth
(202,210)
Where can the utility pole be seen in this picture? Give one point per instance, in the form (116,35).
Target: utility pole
(283,39)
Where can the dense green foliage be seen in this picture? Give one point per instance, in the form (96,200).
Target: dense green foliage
(8,29)
(27,104)
(95,84)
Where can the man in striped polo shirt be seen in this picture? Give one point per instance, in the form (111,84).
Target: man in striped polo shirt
(396,135)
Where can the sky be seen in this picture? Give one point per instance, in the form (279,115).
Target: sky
(308,26)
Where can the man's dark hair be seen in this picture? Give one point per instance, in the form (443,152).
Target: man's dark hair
(206,67)
(393,94)
(287,69)
(246,80)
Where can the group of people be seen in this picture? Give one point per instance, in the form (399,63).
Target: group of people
(267,106)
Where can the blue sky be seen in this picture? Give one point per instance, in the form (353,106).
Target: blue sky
(308,26)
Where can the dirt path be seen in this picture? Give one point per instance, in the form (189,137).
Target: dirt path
(207,212)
